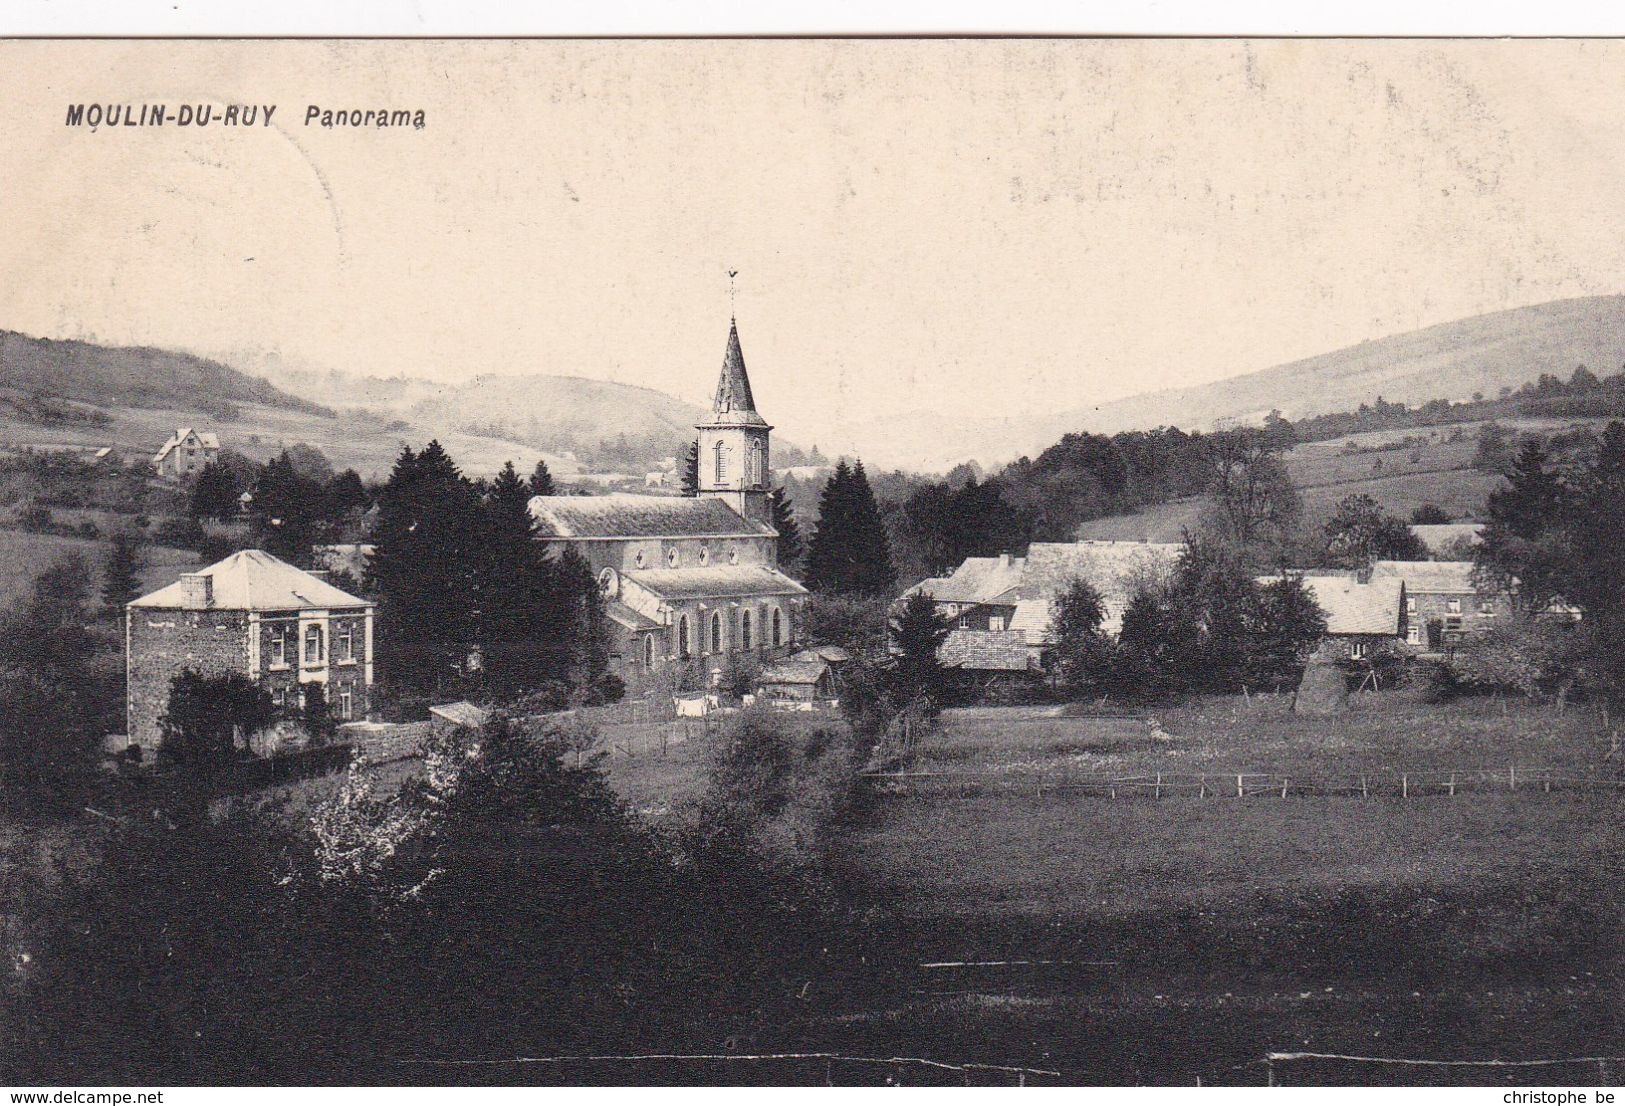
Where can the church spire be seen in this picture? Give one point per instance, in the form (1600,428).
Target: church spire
(734,404)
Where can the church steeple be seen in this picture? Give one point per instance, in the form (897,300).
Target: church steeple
(733,448)
(734,401)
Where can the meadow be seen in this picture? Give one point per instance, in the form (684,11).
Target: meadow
(24,556)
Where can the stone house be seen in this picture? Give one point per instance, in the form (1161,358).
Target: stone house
(689,582)
(186,453)
(1363,617)
(999,606)
(1442,603)
(803,679)
(284,628)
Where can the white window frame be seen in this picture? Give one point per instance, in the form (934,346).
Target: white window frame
(279,645)
(312,635)
(344,644)
(346,705)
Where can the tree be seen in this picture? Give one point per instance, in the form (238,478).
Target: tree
(1524,548)
(916,633)
(215,494)
(429,540)
(316,716)
(290,508)
(205,718)
(849,553)
(1290,625)
(1254,500)
(1083,652)
(691,470)
(1429,514)
(121,580)
(541,480)
(790,546)
(1156,648)
(1359,532)
(1593,576)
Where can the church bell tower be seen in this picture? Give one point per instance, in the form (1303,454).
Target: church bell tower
(733,457)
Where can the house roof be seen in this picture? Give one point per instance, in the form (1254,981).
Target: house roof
(250,580)
(1429,577)
(461,713)
(622,615)
(985,650)
(1439,535)
(207,439)
(714,581)
(976,580)
(623,515)
(734,405)
(1351,607)
(805,667)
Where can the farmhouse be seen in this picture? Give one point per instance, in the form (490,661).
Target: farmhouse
(689,582)
(284,628)
(186,453)
(1442,603)
(1362,616)
(999,607)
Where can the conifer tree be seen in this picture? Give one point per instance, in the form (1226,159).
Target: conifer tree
(916,634)
(790,545)
(215,493)
(849,553)
(691,470)
(541,480)
(121,581)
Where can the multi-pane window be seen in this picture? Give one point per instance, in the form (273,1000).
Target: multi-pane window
(344,643)
(1452,606)
(313,644)
(279,647)
(721,451)
(345,705)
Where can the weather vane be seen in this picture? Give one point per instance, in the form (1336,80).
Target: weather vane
(732,314)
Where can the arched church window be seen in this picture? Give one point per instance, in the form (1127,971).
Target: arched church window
(778,629)
(721,450)
(757,455)
(649,651)
(744,629)
(682,637)
(716,633)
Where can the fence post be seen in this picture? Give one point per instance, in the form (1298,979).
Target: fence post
(1240,794)
(1283,786)
(1404,785)
(1365,791)
(1452,785)
(1202,793)
(1158,793)
(1512,776)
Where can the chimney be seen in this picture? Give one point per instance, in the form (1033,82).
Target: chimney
(198,589)
(321,574)
(1004,560)
(1362,575)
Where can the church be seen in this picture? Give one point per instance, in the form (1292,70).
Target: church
(689,584)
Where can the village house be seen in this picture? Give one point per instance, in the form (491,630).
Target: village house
(284,628)
(803,680)
(1444,538)
(186,453)
(1443,605)
(999,608)
(1365,615)
(689,583)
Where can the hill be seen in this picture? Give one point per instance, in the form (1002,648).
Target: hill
(130,376)
(1454,360)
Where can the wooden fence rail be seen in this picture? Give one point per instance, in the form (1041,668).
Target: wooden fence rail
(1385,783)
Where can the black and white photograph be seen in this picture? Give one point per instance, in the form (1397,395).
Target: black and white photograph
(870,561)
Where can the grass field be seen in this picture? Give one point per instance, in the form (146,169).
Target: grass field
(23,556)
(1179,938)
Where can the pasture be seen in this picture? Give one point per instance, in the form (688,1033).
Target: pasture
(1091,935)
(24,556)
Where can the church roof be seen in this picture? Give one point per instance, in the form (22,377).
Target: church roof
(734,405)
(624,515)
(249,580)
(714,582)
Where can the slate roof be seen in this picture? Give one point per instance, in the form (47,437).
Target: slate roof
(208,439)
(461,713)
(622,615)
(251,580)
(985,650)
(715,581)
(1429,577)
(623,515)
(1437,536)
(734,405)
(976,580)
(805,667)
(1355,608)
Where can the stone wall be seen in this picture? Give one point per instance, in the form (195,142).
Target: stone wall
(162,644)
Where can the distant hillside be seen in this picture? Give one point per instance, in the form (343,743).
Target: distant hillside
(1454,360)
(133,376)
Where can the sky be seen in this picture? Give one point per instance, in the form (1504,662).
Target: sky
(990,228)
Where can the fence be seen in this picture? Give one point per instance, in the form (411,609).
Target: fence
(1385,783)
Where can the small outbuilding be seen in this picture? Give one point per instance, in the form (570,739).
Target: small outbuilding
(803,679)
